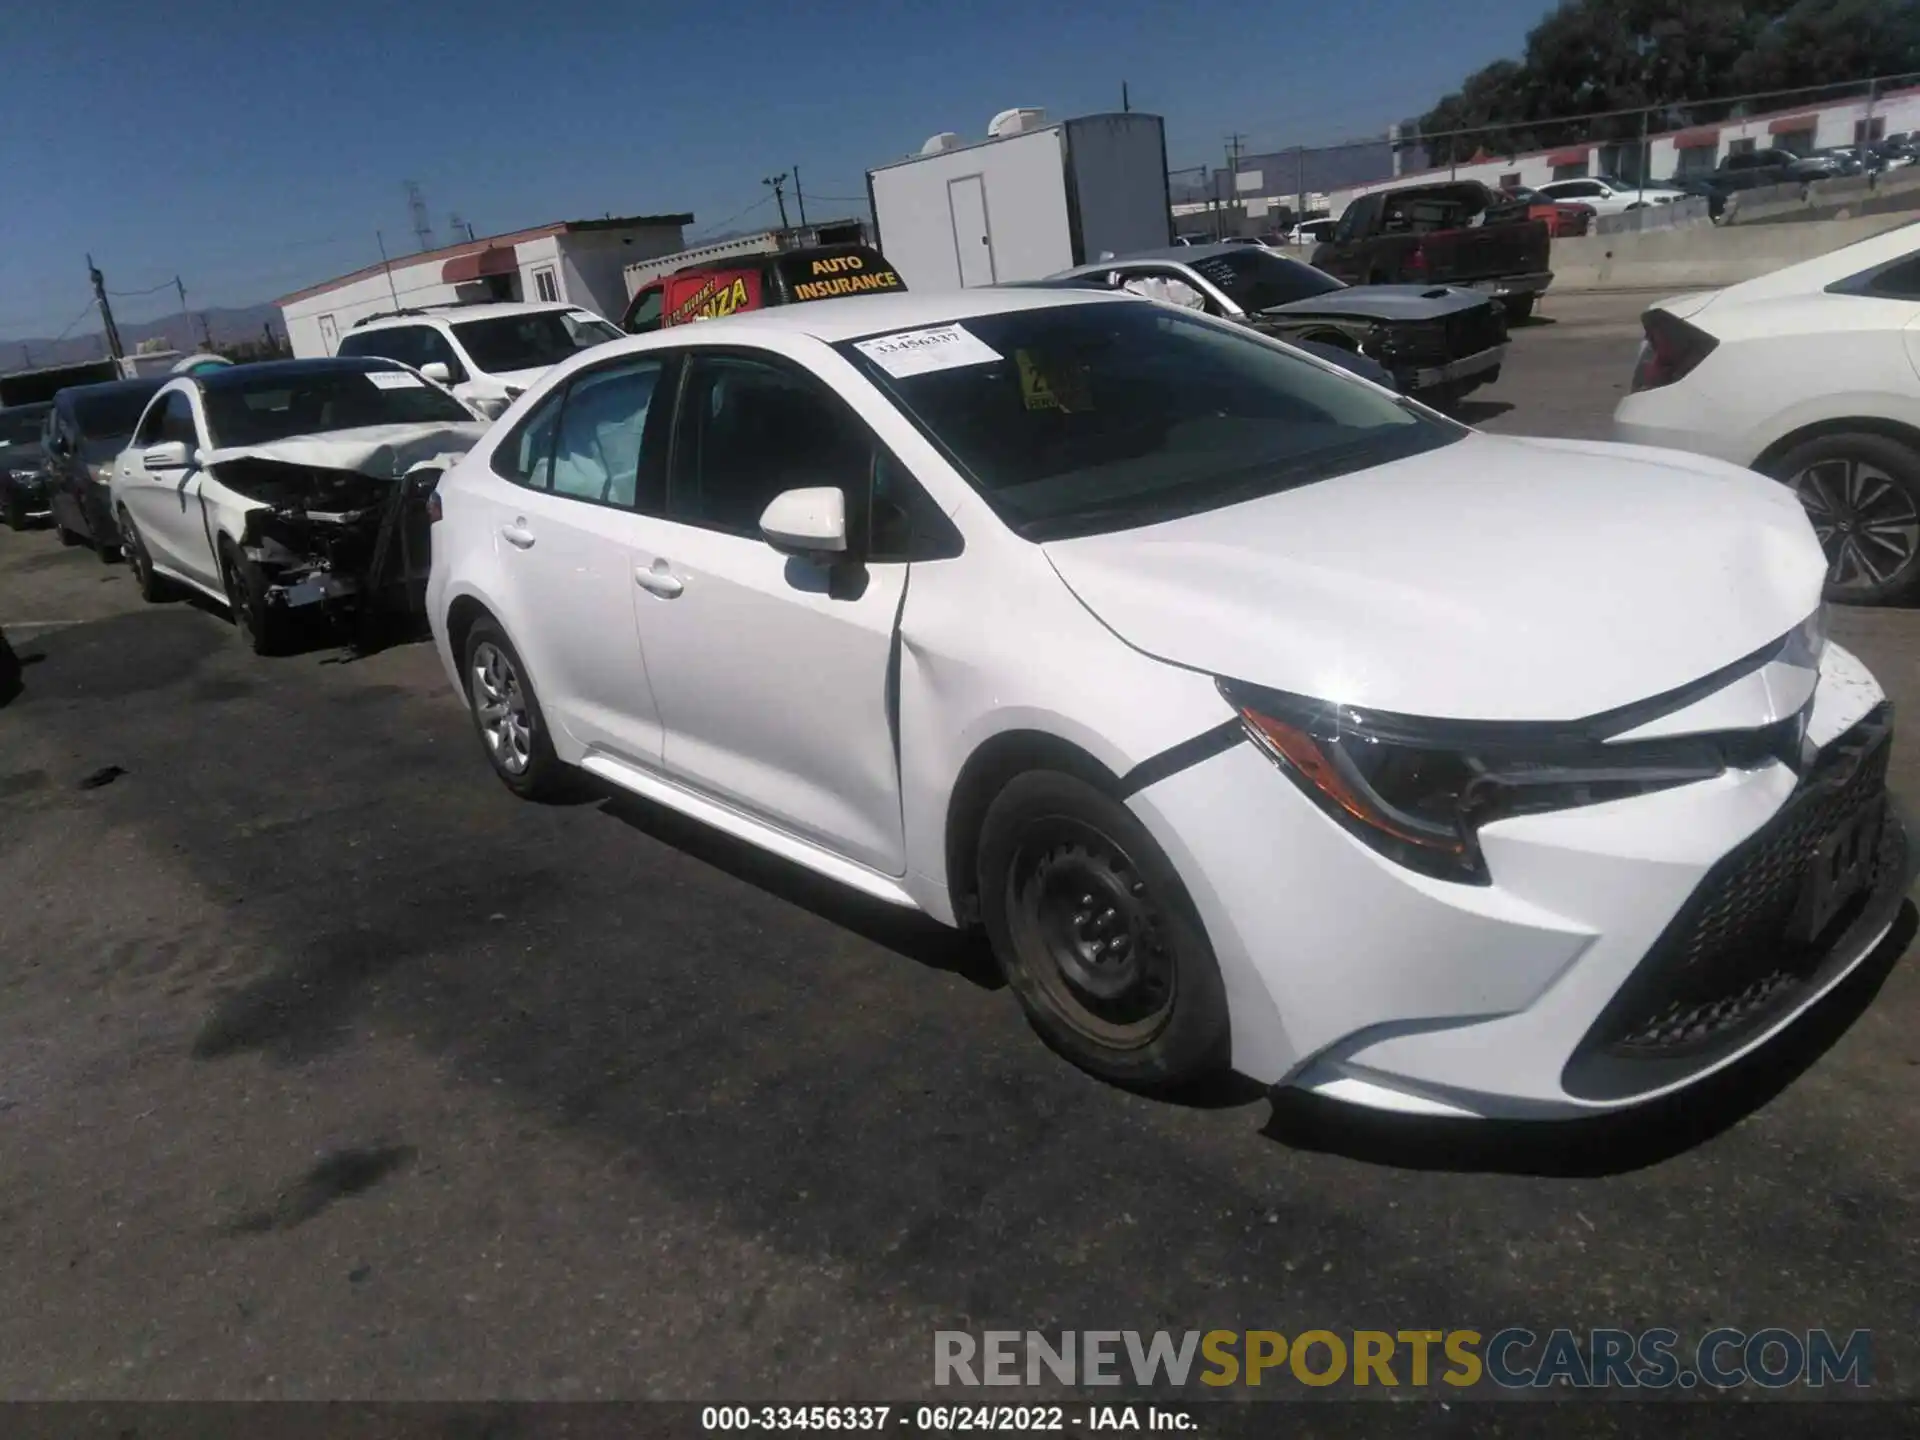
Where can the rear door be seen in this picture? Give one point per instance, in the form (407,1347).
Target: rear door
(972,234)
(574,478)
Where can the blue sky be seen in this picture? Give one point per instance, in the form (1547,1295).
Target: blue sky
(255,148)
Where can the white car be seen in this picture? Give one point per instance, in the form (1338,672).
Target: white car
(272,488)
(1606,196)
(485,354)
(1810,375)
(1263,719)
(1312,232)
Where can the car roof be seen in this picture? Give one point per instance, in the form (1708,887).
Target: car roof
(243,377)
(1810,276)
(490,310)
(145,383)
(854,316)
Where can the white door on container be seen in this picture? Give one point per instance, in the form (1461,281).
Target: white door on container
(972,241)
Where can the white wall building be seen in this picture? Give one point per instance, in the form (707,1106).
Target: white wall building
(1679,153)
(580,262)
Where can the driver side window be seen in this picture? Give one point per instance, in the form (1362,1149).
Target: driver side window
(177,422)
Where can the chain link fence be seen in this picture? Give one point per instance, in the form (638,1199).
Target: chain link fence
(1853,128)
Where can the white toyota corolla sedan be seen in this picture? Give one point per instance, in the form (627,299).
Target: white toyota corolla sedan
(1262,718)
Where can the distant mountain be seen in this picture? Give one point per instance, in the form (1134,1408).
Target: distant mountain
(178,331)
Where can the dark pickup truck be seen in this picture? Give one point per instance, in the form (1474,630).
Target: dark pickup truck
(1457,233)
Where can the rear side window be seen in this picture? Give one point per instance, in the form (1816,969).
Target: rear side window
(598,449)
(1898,281)
(526,456)
(397,342)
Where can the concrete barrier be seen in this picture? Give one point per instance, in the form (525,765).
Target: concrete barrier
(1846,197)
(1707,256)
(1693,210)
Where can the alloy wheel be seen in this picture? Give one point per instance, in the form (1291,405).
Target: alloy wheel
(1088,930)
(500,705)
(1866,522)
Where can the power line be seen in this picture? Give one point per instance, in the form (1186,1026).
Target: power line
(136,294)
(722,224)
(86,310)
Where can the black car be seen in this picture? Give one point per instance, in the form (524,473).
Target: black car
(23,472)
(1436,342)
(88,428)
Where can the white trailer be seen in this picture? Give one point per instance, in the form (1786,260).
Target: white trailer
(1032,199)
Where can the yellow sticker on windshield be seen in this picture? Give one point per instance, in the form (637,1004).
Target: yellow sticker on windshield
(1063,388)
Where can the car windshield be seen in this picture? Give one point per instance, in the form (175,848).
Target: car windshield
(1081,419)
(20,425)
(532,341)
(110,415)
(274,405)
(1256,279)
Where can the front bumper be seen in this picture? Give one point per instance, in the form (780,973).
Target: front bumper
(33,489)
(1467,367)
(1579,981)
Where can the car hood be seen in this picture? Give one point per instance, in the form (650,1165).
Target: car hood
(385,451)
(1492,579)
(1384,302)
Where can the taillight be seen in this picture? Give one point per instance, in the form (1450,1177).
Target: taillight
(1673,350)
(1417,259)
(434,511)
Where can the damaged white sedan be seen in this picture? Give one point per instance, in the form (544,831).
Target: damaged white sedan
(287,487)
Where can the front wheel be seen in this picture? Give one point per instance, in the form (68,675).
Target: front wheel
(1519,308)
(1097,936)
(14,508)
(507,715)
(1862,493)
(264,625)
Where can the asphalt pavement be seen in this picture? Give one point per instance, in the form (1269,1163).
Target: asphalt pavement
(328,1069)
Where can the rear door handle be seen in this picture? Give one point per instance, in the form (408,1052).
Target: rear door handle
(658,580)
(517,534)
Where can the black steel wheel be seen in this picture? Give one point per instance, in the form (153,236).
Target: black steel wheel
(1862,493)
(1096,934)
(263,625)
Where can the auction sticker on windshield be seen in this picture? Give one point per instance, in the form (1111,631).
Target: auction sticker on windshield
(395,380)
(916,352)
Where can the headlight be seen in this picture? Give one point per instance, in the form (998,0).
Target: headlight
(1418,791)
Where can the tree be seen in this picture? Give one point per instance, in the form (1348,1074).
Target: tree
(1592,56)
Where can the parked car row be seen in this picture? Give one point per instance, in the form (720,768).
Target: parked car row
(1061,613)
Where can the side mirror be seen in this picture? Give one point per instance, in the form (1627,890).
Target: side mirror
(810,524)
(437,371)
(170,455)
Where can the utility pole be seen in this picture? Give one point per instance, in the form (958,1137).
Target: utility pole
(186,341)
(417,207)
(387,265)
(26,350)
(1126,101)
(106,310)
(1300,182)
(1646,154)
(798,198)
(1866,124)
(1233,167)
(779,194)
(206,331)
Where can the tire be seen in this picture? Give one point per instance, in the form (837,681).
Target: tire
(1862,493)
(508,719)
(1096,934)
(68,538)
(265,627)
(14,509)
(153,589)
(1519,308)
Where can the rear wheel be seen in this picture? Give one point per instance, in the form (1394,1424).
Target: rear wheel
(68,538)
(1519,308)
(1862,493)
(152,587)
(507,715)
(1096,935)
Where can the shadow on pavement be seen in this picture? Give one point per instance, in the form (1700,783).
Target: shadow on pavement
(1478,412)
(1606,1145)
(10,684)
(905,932)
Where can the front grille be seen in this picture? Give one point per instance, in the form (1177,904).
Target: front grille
(1471,331)
(1731,959)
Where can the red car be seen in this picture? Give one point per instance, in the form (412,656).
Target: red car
(1564,217)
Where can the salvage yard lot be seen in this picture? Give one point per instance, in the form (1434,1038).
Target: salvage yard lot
(328,1069)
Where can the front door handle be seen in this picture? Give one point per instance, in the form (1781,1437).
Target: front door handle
(658,580)
(518,535)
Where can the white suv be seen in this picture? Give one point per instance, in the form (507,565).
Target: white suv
(486,354)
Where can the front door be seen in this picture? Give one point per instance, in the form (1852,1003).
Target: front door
(165,500)
(772,674)
(566,524)
(972,237)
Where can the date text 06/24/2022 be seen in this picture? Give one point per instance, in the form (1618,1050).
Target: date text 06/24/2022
(940,1419)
